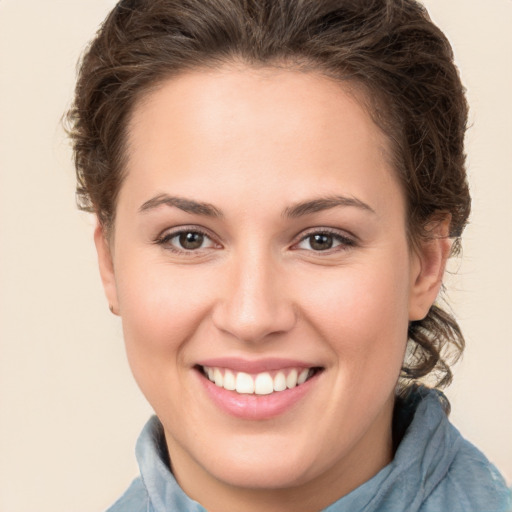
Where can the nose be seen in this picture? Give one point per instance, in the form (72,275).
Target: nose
(253,302)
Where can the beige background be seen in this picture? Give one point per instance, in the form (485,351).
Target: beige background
(69,411)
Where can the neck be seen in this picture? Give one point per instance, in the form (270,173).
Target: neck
(366,458)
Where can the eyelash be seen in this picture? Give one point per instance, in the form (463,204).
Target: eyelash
(164,240)
(345,242)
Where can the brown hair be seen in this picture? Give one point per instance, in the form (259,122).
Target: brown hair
(390,48)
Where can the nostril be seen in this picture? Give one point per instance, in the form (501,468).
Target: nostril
(252,324)
(252,301)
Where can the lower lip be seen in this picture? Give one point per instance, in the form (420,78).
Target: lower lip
(256,407)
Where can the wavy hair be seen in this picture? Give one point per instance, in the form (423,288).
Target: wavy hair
(388,48)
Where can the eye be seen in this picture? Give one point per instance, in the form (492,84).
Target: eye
(324,241)
(185,240)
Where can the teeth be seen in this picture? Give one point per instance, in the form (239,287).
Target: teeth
(218,377)
(244,383)
(260,384)
(263,385)
(229,380)
(302,376)
(291,380)
(279,382)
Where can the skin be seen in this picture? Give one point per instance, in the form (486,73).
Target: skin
(254,143)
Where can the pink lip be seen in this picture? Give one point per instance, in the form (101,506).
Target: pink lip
(255,407)
(256,366)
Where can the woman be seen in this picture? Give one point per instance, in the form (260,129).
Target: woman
(278,186)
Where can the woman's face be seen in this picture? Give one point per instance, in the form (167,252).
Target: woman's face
(260,240)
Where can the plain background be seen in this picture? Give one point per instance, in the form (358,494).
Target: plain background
(69,410)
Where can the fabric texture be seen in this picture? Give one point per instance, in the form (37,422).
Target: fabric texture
(434,470)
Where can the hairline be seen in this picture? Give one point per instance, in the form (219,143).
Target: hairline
(359,90)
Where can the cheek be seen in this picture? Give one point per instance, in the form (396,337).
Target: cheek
(363,316)
(161,308)
(363,313)
(160,300)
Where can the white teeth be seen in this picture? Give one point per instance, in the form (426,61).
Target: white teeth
(263,385)
(303,376)
(279,382)
(218,377)
(260,384)
(244,383)
(291,380)
(229,380)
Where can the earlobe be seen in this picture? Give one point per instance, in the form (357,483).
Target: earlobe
(430,257)
(106,266)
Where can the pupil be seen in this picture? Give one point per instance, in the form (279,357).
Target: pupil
(321,242)
(191,240)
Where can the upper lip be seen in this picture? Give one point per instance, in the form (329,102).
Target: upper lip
(254,366)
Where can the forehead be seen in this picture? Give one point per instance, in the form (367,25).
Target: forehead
(255,129)
(204,98)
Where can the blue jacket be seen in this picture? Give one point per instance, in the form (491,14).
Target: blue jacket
(434,470)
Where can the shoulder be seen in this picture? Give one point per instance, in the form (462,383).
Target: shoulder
(437,469)
(471,484)
(135,499)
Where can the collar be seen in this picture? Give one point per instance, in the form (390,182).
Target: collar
(422,460)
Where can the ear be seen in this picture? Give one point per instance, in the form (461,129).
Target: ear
(429,262)
(106,266)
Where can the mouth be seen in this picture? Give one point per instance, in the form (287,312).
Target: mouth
(263,383)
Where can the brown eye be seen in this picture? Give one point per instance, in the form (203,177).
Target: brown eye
(321,242)
(186,241)
(191,240)
(325,241)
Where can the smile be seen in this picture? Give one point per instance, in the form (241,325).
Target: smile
(255,390)
(264,383)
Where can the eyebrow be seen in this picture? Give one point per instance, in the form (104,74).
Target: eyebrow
(187,205)
(324,203)
(298,210)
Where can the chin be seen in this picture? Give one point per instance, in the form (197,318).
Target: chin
(269,463)
(273,474)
